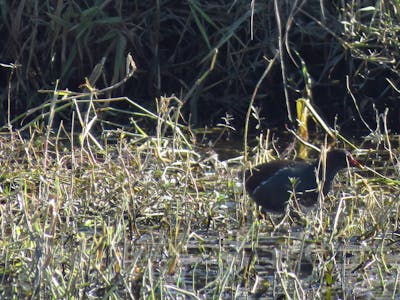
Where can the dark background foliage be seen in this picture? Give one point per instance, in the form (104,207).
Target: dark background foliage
(348,49)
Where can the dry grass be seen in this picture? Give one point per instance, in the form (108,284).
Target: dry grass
(154,216)
(93,208)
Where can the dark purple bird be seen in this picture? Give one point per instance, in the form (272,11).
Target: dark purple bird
(270,185)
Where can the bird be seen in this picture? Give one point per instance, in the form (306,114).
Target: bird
(271,184)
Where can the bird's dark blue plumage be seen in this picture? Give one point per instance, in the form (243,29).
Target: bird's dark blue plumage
(270,185)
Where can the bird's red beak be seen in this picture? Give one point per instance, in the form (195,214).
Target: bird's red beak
(355,163)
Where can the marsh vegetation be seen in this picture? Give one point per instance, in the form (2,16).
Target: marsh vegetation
(108,193)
